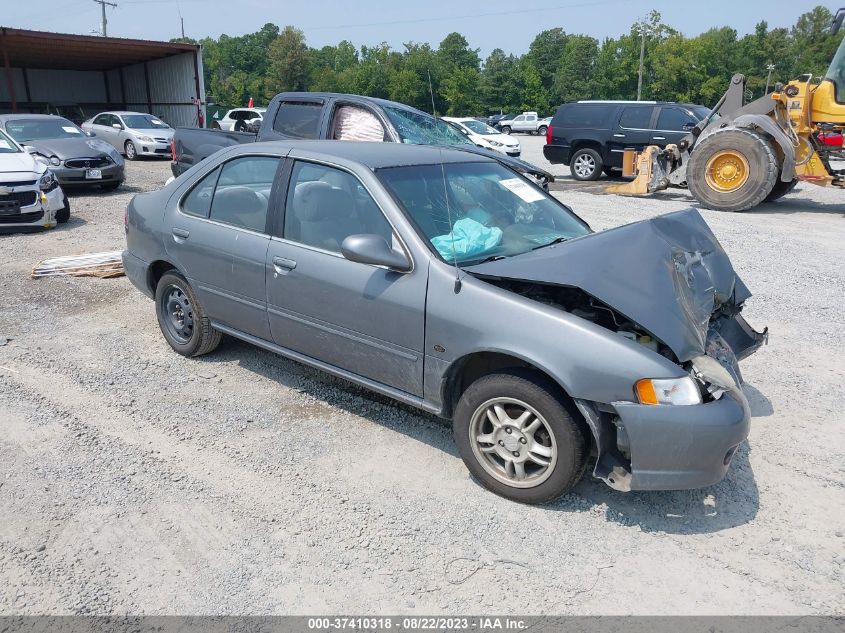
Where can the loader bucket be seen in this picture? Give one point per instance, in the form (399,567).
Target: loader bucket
(637,165)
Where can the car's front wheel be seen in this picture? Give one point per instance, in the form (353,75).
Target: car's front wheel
(518,439)
(182,319)
(63,214)
(130,151)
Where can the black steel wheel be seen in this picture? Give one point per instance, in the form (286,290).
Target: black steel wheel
(181,317)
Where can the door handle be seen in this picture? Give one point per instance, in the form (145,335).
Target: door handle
(659,138)
(619,135)
(283,265)
(180,234)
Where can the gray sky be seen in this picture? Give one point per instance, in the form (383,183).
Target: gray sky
(507,24)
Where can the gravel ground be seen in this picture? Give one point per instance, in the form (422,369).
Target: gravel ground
(133,480)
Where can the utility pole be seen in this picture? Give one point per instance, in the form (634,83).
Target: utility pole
(182,20)
(642,29)
(770,67)
(103,4)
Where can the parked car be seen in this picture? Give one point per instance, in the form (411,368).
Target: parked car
(527,122)
(592,136)
(74,157)
(30,195)
(132,133)
(324,115)
(494,119)
(444,280)
(239,119)
(485,136)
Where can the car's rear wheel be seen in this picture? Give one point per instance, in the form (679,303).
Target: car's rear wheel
(182,319)
(130,151)
(63,214)
(518,439)
(506,129)
(586,164)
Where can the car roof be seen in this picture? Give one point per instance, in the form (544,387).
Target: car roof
(28,115)
(374,155)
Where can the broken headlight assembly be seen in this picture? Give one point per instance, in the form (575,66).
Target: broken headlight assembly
(48,181)
(677,391)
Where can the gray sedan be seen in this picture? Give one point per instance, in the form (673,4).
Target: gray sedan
(446,281)
(74,156)
(132,133)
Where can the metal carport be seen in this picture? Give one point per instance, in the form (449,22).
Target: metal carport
(41,70)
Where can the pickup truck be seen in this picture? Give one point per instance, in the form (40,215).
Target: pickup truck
(525,122)
(322,115)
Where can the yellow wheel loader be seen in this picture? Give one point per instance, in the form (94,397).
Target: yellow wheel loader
(742,155)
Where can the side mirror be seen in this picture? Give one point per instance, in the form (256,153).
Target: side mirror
(373,249)
(117,126)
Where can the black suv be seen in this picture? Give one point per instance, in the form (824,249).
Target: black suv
(591,136)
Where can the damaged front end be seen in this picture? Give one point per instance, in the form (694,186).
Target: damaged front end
(667,285)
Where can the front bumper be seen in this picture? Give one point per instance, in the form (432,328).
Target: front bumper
(152,149)
(75,177)
(680,447)
(41,215)
(137,270)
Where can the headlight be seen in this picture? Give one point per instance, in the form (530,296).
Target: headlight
(54,160)
(680,391)
(145,139)
(48,181)
(41,159)
(495,143)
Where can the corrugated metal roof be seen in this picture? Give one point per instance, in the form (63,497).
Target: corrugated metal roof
(39,49)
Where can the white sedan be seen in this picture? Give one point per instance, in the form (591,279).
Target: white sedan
(30,195)
(133,134)
(485,136)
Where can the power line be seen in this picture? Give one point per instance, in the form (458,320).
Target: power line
(466,17)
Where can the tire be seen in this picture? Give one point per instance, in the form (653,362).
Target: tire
(610,172)
(743,152)
(506,129)
(214,125)
(541,131)
(63,214)
(780,189)
(189,333)
(557,440)
(240,125)
(586,164)
(130,151)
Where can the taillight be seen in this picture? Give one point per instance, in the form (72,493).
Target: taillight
(173,149)
(549,134)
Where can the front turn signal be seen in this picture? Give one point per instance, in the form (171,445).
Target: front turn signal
(677,391)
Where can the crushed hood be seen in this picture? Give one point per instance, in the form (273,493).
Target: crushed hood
(17,166)
(67,148)
(668,275)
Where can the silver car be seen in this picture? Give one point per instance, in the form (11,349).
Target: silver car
(133,134)
(447,281)
(74,156)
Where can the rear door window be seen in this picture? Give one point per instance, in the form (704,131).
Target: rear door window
(198,200)
(674,119)
(242,196)
(586,115)
(298,119)
(636,117)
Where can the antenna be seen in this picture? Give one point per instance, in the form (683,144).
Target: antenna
(446,194)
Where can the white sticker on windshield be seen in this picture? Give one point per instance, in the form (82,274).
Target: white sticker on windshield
(70,130)
(522,189)
(4,144)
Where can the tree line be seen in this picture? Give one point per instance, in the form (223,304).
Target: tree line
(557,68)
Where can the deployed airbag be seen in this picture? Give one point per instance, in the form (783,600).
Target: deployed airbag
(468,237)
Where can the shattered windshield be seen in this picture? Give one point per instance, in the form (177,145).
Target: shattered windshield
(481,210)
(423,129)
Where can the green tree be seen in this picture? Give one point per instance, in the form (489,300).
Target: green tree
(289,60)
(545,53)
(573,79)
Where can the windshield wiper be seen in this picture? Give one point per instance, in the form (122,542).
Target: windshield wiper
(492,258)
(557,240)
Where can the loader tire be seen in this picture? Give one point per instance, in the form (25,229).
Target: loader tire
(780,189)
(732,169)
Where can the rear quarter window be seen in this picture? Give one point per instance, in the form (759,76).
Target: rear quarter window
(298,119)
(584,115)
